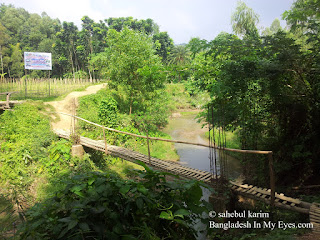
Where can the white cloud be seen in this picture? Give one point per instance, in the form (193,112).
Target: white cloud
(65,10)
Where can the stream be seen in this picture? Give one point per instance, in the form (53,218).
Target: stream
(186,128)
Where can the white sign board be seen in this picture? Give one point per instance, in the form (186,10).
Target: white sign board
(37,61)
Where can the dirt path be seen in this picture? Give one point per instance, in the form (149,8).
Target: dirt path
(66,106)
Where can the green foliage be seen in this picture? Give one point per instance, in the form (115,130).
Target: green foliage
(166,44)
(106,108)
(304,14)
(244,20)
(59,156)
(232,138)
(267,89)
(100,205)
(303,19)
(197,45)
(274,28)
(179,55)
(108,112)
(147,26)
(180,98)
(73,51)
(24,136)
(133,65)
(7,216)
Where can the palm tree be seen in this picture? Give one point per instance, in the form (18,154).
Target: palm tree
(179,57)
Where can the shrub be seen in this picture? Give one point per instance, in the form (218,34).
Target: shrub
(102,206)
(108,112)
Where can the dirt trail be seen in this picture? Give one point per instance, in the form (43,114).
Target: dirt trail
(66,106)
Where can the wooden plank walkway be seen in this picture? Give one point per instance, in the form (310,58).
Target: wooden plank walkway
(132,156)
(246,190)
(315,218)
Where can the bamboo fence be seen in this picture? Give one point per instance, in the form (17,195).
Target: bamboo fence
(43,87)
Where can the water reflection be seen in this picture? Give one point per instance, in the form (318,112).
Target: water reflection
(186,128)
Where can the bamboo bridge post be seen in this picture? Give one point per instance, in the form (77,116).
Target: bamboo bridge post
(8,100)
(272,179)
(49,85)
(105,142)
(148,148)
(25,87)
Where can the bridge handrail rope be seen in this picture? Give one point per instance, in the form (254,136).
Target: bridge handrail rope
(168,140)
(269,153)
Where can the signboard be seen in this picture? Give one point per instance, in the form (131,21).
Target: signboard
(37,61)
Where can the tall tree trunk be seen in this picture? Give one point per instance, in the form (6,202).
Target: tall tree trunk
(71,59)
(90,75)
(2,76)
(131,101)
(91,49)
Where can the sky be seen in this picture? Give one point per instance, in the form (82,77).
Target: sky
(182,19)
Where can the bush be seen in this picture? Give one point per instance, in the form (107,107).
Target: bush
(24,136)
(103,206)
(108,112)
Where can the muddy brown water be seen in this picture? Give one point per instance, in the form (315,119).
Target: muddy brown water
(186,128)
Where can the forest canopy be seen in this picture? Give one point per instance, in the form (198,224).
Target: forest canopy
(74,50)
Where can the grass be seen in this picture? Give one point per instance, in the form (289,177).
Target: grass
(232,138)
(181,99)
(8,217)
(189,113)
(158,149)
(122,167)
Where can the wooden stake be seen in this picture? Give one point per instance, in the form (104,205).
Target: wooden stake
(148,148)
(8,100)
(74,114)
(105,142)
(49,85)
(25,87)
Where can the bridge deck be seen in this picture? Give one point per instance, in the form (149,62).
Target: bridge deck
(246,190)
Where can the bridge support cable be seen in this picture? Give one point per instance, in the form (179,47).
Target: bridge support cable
(265,195)
(212,145)
(212,149)
(217,141)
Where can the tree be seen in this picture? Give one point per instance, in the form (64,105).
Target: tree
(304,14)
(178,58)
(66,45)
(4,37)
(16,61)
(268,90)
(244,21)
(73,52)
(147,26)
(166,44)
(180,55)
(196,45)
(304,20)
(132,64)
(275,27)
